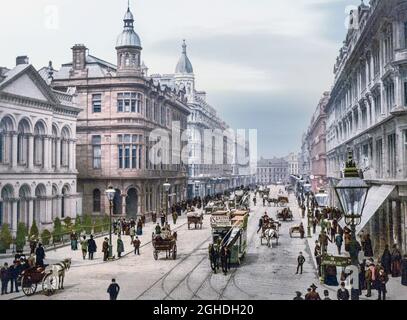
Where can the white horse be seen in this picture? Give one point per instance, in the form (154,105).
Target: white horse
(269,234)
(58,271)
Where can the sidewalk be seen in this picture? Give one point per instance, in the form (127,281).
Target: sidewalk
(395,291)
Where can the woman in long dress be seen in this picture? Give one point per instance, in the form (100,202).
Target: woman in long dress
(396,262)
(386,259)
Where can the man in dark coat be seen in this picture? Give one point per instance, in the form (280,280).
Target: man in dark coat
(404,271)
(91,247)
(343,293)
(40,255)
(313,295)
(386,260)
(298,296)
(113,290)
(33,245)
(105,249)
(15,271)
(136,244)
(381,284)
(300,263)
(4,276)
(224,260)
(367,246)
(396,262)
(162,217)
(260,224)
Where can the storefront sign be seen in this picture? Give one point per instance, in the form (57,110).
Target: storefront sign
(336,261)
(220,221)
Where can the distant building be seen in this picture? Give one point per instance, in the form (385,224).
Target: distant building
(293,163)
(271,171)
(37,150)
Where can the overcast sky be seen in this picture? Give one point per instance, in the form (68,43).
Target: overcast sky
(263,63)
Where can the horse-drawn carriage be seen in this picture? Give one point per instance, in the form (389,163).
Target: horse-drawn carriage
(169,245)
(213,206)
(50,278)
(270,231)
(296,229)
(195,218)
(285,214)
(282,201)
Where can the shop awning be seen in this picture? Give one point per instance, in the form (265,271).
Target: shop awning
(375,198)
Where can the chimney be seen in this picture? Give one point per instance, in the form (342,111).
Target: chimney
(79,57)
(22,60)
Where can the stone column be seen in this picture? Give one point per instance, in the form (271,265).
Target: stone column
(383,98)
(30,159)
(14,146)
(124,196)
(58,154)
(71,158)
(30,204)
(360,118)
(47,155)
(14,221)
(398,89)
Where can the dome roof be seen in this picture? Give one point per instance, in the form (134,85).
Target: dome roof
(184,65)
(128,37)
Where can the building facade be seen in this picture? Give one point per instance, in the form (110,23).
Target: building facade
(367,112)
(304,157)
(272,171)
(38,176)
(293,163)
(125,131)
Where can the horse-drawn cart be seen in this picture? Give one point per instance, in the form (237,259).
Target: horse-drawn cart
(269,231)
(296,229)
(168,245)
(285,214)
(196,219)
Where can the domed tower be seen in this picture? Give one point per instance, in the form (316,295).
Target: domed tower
(184,75)
(128,47)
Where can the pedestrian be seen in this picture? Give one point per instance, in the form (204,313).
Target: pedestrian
(302,230)
(4,275)
(33,244)
(91,247)
(318,256)
(343,293)
(224,259)
(381,284)
(307,295)
(132,234)
(139,229)
(404,271)
(136,244)
(254,200)
(303,211)
(74,241)
(370,278)
(314,225)
(386,260)
(157,229)
(326,295)
(313,295)
(339,242)
(113,290)
(84,247)
(367,246)
(40,255)
(174,216)
(105,249)
(14,272)
(323,240)
(260,224)
(298,296)
(300,262)
(162,217)
(120,246)
(396,262)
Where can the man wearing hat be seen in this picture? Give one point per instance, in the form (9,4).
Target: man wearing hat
(300,262)
(326,295)
(40,255)
(105,249)
(343,293)
(113,290)
(313,295)
(298,296)
(33,244)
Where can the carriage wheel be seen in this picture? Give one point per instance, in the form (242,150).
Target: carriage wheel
(155,254)
(188,226)
(29,288)
(174,252)
(49,284)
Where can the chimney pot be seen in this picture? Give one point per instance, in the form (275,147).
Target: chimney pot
(22,60)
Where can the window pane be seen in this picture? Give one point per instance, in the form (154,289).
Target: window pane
(119,105)
(127,138)
(127,157)
(120,157)
(134,157)
(96,140)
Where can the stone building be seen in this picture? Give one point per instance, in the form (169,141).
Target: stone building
(117,144)
(293,163)
(37,149)
(317,145)
(272,171)
(219,171)
(304,164)
(367,112)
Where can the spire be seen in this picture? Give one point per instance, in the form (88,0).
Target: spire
(128,38)
(184,65)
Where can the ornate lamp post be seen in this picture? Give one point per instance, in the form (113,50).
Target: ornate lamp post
(167,187)
(110,192)
(352,192)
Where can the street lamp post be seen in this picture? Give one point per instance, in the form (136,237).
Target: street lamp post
(167,187)
(110,192)
(352,193)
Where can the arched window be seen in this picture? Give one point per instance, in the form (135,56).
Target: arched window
(39,135)
(6,127)
(65,147)
(64,202)
(23,205)
(39,203)
(22,142)
(96,200)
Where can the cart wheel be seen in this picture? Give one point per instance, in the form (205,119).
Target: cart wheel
(174,252)
(49,284)
(155,254)
(29,288)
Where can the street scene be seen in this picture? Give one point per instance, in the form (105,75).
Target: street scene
(146,154)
